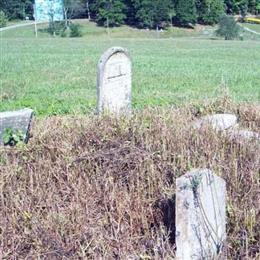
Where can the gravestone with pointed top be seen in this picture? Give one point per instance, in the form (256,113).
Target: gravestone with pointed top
(17,121)
(114,82)
(200,215)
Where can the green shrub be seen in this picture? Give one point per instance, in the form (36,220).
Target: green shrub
(12,137)
(3,19)
(64,34)
(228,28)
(75,30)
(56,28)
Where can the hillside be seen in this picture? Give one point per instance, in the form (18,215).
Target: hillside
(58,75)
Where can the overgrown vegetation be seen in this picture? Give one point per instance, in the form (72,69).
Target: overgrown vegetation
(13,137)
(56,27)
(75,30)
(3,19)
(96,188)
(60,28)
(228,28)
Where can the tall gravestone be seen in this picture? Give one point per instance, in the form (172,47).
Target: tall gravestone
(17,121)
(114,82)
(200,215)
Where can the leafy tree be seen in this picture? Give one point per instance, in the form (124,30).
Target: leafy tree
(153,13)
(209,11)
(252,6)
(71,9)
(144,13)
(163,12)
(232,6)
(258,7)
(130,12)
(228,28)
(17,9)
(241,6)
(186,12)
(88,4)
(3,19)
(110,12)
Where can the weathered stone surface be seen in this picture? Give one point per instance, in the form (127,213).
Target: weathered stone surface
(200,215)
(244,135)
(114,82)
(16,120)
(218,122)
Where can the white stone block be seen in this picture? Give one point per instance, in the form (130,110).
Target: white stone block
(17,121)
(200,215)
(218,122)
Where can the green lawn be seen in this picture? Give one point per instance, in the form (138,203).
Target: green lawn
(58,75)
(254,27)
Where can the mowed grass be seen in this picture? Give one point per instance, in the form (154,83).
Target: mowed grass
(58,75)
(254,27)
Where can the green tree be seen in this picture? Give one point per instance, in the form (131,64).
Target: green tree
(72,9)
(252,6)
(163,12)
(243,6)
(153,13)
(3,19)
(258,7)
(186,12)
(228,28)
(110,12)
(17,9)
(209,11)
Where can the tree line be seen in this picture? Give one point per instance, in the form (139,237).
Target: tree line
(141,13)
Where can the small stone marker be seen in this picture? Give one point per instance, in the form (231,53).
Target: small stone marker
(218,122)
(17,121)
(244,135)
(114,82)
(200,215)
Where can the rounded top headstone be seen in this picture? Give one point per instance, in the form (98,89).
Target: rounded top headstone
(110,52)
(114,81)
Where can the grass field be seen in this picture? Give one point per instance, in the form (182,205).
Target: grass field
(254,27)
(58,75)
(88,187)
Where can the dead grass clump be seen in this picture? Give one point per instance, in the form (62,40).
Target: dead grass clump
(104,188)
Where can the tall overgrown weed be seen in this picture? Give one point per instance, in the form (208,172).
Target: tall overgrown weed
(92,188)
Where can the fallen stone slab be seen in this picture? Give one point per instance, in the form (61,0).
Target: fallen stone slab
(218,122)
(16,121)
(244,134)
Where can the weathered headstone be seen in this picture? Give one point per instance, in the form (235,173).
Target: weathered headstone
(200,215)
(17,121)
(114,82)
(218,122)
